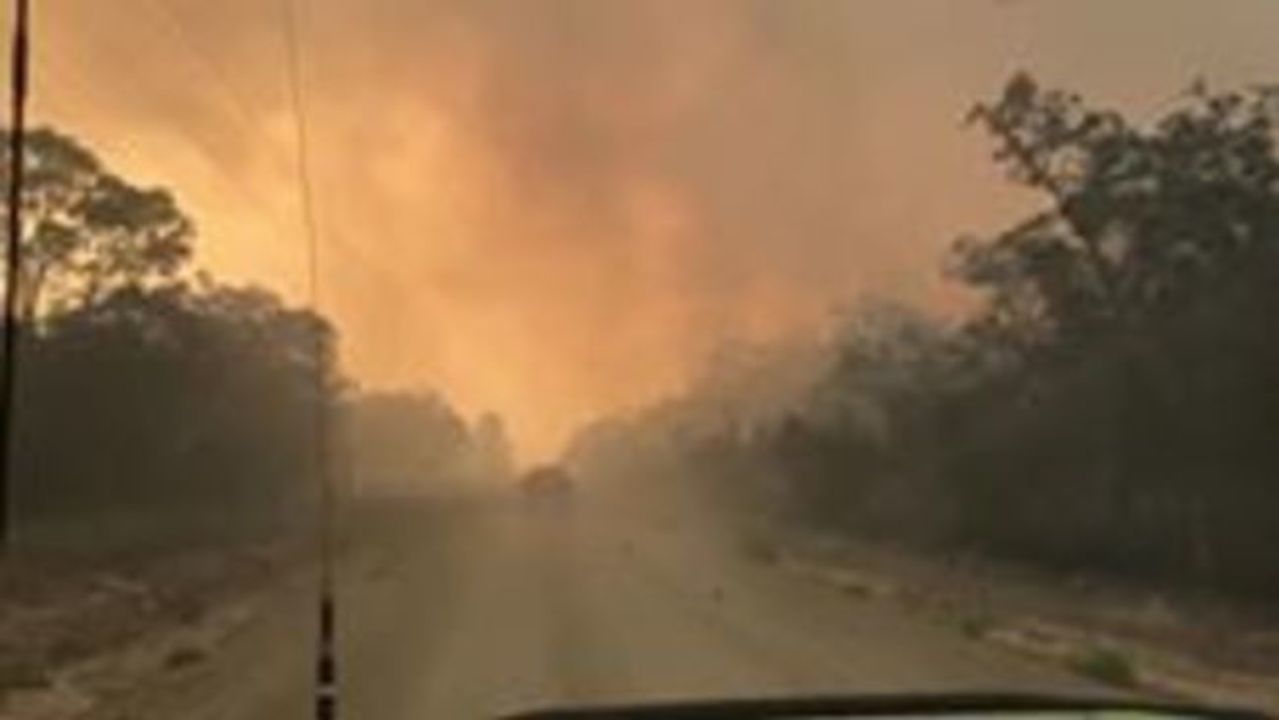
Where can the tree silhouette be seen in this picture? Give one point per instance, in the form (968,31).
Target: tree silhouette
(89,232)
(1109,406)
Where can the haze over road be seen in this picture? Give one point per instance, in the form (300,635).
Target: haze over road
(482,608)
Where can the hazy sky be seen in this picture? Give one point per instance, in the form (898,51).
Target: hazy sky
(555,209)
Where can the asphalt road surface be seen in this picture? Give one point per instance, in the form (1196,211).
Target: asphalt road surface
(472,610)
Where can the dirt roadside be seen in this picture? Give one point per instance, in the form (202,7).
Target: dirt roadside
(1152,641)
(119,638)
(76,632)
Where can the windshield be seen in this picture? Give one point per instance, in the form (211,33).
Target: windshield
(459,358)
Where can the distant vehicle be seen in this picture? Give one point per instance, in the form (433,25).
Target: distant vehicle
(547,481)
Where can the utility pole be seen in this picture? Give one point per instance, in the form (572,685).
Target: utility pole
(13,262)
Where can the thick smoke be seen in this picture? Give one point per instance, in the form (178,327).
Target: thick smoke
(557,208)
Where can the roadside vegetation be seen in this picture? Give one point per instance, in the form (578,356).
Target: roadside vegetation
(1106,408)
(166,420)
(160,404)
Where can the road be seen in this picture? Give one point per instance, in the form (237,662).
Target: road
(478,609)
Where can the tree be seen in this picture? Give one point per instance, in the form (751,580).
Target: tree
(1139,221)
(1151,263)
(1109,409)
(153,402)
(89,232)
(174,403)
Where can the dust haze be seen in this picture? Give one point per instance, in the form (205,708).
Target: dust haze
(555,210)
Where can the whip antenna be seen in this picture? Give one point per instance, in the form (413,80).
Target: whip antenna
(326,685)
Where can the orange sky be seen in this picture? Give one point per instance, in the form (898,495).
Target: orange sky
(557,209)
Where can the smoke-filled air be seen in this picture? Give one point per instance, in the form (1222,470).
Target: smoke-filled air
(407,359)
(557,210)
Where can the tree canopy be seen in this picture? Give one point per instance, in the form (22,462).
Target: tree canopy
(1109,406)
(159,402)
(89,232)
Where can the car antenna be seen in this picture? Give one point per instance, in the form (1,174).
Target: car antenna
(21,50)
(326,680)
